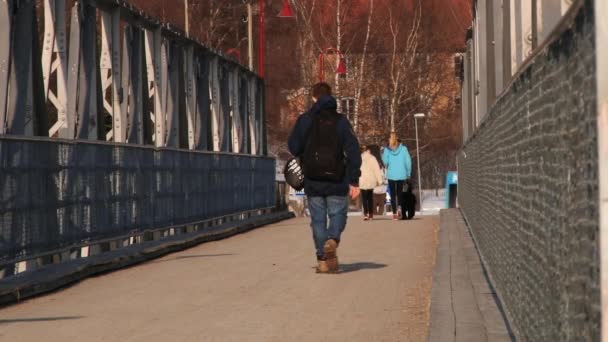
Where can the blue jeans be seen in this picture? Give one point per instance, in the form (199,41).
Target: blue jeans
(334,207)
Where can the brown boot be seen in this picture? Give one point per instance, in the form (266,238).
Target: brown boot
(322,268)
(331,255)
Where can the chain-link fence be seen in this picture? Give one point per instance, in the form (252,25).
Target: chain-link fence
(54,194)
(528,186)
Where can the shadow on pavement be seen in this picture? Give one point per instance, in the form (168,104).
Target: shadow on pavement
(202,256)
(357,266)
(38,319)
(189,257)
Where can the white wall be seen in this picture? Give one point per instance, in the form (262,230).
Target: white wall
(510,48)
(521,32)
(482,74)
(498,46)
(466,96)
(549,14)
(601,13)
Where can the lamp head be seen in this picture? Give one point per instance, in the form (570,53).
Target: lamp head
(286,11)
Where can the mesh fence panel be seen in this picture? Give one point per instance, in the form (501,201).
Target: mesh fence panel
(57,193)
(529,190)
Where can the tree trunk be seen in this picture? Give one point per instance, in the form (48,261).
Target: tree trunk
(362,68)
(338,46)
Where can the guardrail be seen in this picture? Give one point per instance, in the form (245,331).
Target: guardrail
(118,128)
(61,194)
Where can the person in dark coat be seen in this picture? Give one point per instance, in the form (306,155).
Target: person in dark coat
(328,199)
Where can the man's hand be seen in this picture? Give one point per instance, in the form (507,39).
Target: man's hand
(354,192)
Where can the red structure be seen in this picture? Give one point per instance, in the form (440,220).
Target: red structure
(340,70)
(285,13)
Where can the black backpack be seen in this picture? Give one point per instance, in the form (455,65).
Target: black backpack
(323,158)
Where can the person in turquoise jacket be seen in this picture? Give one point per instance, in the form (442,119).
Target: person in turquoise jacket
(398,164)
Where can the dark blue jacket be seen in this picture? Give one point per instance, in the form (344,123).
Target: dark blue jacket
(297,142)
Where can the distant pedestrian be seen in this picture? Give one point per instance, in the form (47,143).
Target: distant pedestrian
(398,163)
(380,189)
(329,152)
(371,176)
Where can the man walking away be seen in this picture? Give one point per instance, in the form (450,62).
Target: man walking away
(329,153)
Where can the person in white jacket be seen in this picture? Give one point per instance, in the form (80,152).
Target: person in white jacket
(371,176)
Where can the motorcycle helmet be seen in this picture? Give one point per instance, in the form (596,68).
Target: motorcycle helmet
(293,174)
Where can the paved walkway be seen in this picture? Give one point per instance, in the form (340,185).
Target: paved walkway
(258,286)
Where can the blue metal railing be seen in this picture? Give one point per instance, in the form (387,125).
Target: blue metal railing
(58,193)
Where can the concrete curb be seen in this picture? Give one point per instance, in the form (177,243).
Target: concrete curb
(463,305)
(53,277)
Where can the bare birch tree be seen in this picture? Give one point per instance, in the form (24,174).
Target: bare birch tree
(402,60)
(361,71)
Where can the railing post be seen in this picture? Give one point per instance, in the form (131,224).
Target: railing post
(244,111)
(111,74)
(173,63)
(88,111)
(19,68)
(191,96)
(153,53)
(67,129)
(132,84)
(163,79)
(235,110)
(55,41)
(5,56)
(203,104)
(251,103)
(214,94)
(226,120)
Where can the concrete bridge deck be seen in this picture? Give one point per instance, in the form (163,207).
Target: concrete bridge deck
(258,286)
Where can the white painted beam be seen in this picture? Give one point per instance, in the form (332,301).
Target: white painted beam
(498,46)
(152,44)
(214,96)
(251,103)
(55,61)
(235,110)
(521,32)
(191,95)
(111,73)
(549,14)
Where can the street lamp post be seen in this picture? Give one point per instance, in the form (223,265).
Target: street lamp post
(187,18)
(249,35)
(285,13)
(416,117)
